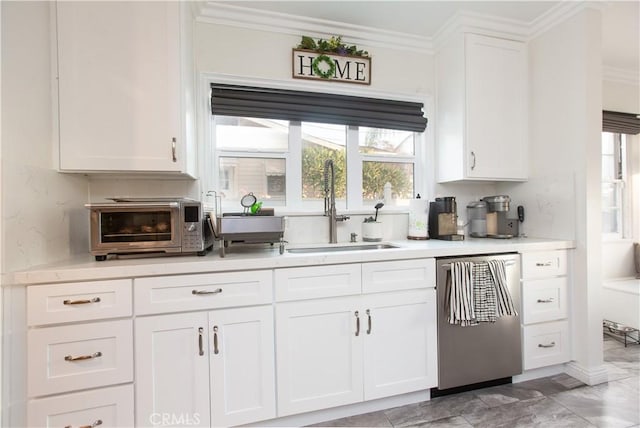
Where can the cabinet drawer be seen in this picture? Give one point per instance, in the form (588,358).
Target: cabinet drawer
(165,294)
(544,300)
(398,275)
(82,301)
(544,264)
(545,344)
(317,281)
(105,407)
(68,358)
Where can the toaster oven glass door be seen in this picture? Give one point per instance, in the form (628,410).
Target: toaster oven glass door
(144,228)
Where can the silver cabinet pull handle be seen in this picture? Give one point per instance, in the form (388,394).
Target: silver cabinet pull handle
(549,300)
(173,149)
(204,292)
(357,314)
(94,424)
(200,346)
(215,340)
(83,357)
(81,302)
(473,164)
(551,345)
(545,264)
(368,321)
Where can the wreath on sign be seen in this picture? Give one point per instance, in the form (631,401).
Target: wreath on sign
(331,66)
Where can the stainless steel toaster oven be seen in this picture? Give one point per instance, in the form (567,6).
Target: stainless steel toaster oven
(141,225)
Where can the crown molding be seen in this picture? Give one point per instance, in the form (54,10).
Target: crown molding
(213,12)
(620,75)
(237,16)
(488,25)
(560,13)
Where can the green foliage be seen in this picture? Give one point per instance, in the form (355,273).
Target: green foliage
(374,175)
(333,45)
(307,43)
(313,158)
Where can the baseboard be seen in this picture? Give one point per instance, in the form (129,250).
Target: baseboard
(590,376)
(538,373)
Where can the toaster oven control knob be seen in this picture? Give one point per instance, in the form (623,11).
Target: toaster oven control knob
(191,227)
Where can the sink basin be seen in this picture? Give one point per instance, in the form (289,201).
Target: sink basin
(337,249)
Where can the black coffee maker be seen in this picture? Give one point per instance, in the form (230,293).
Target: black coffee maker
(443,219)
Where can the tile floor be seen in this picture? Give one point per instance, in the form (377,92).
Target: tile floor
(556,401)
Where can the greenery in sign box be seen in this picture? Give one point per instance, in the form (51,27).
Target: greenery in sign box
(334,45)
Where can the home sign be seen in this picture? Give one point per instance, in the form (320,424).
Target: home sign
(308,64)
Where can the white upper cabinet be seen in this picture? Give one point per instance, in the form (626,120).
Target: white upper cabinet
(125,87)
(482,113)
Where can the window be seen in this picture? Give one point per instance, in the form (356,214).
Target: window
(274,142)
(282,162)
(614,174)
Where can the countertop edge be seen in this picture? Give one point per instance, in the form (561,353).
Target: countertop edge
(85,268)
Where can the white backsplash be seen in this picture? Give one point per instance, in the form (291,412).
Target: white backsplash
(313,229)
(103,187)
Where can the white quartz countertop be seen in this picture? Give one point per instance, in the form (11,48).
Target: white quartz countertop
(248,257)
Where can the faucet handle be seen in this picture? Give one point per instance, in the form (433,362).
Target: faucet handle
(354,237)
(342,217)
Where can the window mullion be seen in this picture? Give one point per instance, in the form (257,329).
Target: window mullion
(354,169)
(294,166)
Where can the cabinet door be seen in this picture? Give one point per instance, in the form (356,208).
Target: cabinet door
(241,353)
(319,354)
(400,343)
(496,108)
(119,85)
(172,370)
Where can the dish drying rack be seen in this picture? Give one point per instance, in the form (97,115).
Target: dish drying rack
(245,228)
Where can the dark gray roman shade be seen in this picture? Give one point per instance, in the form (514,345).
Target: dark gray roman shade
(267,103)
(620,123)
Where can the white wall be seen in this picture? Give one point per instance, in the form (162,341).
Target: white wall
(563,194)
(43,216)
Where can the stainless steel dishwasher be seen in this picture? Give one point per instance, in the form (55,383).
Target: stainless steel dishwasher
(487,353)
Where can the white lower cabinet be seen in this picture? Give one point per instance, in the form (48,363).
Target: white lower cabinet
(205,368)
(172,370)
(242,366)
(545,309)
(338,351)
(319,354)
(399,348)
(105,407)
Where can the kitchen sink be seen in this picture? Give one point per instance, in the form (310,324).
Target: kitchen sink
(340,248)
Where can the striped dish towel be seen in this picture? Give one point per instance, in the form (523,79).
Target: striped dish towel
(484,293)
(504,302)
(460,294)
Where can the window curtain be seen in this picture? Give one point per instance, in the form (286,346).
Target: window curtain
(620,123)
(268,103)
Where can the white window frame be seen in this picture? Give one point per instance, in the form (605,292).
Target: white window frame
(622,189)
(293,157)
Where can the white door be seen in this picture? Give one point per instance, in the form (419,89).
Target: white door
(172,370)
(496,110)
(241,352)
(119,85)
(400,342)
(319,354)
